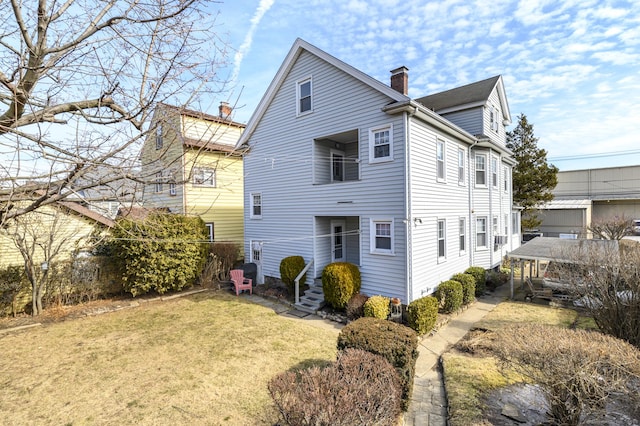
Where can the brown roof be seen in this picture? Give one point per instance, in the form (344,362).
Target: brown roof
(210,146)
(468,94)
(204,116)
(84,211)
(135,212)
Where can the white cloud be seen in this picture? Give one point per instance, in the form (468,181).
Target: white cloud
(263,7)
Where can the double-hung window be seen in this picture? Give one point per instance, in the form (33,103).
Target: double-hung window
(462,231)
(255,210)
(493,118)
(304,96)
(494,172)
(461,155)
(159,136)
(440,161)
(158,185)
(203,176)
(210,231)
(381,144)
(505,179)
(481,169)
(481,232)
(172,188)
(495,230)
(382,236)
(442,239)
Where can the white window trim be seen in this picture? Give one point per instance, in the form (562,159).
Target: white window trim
(505,179)
(462,234)
(198,170)
(443,144)
(372,236)
(210,231)
(475,170)
(299,83)
(443,257)
(372,133)
(495,231)
(158,188)
(252,205)
(333,152)
(461,167)
(495,176)
(159,140)
(172,189)
(486,233)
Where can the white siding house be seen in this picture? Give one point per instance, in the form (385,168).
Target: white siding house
(341,167)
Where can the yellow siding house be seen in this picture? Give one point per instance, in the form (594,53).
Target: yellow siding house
(191,166)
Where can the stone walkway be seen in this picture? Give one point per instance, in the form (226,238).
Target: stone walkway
(429,403)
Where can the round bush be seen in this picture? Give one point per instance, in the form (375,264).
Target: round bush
(340,281)
(377,307)
(449,294)
(290,267)
(422,314)
(480,275)
(468,287)
(355,306)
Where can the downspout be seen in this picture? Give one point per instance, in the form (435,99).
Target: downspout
(407,185)
(490,186)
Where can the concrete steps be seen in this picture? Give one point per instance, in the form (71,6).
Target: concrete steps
(313,299)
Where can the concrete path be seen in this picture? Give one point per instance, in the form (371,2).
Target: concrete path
(429,404)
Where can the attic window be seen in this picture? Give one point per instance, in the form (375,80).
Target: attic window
(305,104)
(493,118)
(159,136)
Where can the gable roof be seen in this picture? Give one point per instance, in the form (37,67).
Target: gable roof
(202,115)
(86,212)
(298,47)
(468,96)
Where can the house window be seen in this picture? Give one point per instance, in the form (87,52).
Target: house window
(442,238)
(515,227)
(305,103)
(382,236)
(158,182)
(461,167)
(204,176)
(337,166)
(256,205)
(481,170)
(495,225)
(462,226)
(493,118)
(494,172)
(481,232)
(172,189)
(506,225)
(210,233)
(381,144)
(158,136)
(505,179)
(440,161)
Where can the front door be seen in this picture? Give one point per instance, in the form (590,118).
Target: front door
(337,166)
(256,257)
(337,241)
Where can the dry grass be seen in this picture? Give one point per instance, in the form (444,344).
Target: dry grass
(469,379)
(204,359)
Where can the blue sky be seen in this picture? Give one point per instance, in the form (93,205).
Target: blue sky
(572,67)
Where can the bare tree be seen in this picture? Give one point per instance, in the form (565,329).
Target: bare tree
(611,228)
(42,237)
(604,277)
(78,82)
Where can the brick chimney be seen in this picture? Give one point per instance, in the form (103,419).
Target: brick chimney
(225,110)
(400,80)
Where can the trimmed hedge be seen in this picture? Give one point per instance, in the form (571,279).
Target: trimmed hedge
(480,275)
(397,343)
(340,281)
(377,307)
(449,294)
(290,267)
(360,388)
(355,306)
(422,314)
(468,287)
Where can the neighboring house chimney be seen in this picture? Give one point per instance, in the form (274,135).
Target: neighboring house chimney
(400,80)
(225,110)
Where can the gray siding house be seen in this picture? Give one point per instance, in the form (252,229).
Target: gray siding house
(341,167)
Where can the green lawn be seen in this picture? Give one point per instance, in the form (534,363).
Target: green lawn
(202,359)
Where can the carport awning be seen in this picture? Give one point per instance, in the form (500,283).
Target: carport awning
(548,248)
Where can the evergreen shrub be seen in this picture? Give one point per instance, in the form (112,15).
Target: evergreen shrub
(395,342)
(422,314)
(377,307)
(290,267)
(340,281)
(163,252)
(468,287)
(480,275)
(450,295)
(355,306)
